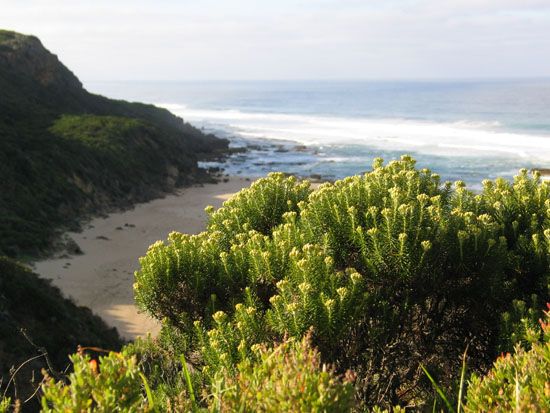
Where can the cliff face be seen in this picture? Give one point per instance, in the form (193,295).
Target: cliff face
(27,56)
(65,152)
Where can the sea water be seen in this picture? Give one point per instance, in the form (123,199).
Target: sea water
(467,130)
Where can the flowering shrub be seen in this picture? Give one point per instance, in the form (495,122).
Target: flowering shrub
(288,377)
(377,274)
(389,269)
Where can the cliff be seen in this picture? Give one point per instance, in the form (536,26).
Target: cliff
(65,152)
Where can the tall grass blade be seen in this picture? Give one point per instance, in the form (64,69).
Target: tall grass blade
(438,390)
(150,398)
(189,382)
(462,380)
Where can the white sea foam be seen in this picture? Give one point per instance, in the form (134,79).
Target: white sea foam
(463,138)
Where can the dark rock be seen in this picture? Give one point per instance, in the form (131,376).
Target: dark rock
(72,247)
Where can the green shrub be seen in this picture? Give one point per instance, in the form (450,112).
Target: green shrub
(112,384)
(196,275)
(260,207)
(286,378)
(519,382)
(390,269)
(520,325)
(160,360)
(230,339)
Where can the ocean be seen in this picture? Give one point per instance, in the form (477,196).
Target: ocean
(462,130)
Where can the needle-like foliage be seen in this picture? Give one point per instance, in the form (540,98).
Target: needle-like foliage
(389,270)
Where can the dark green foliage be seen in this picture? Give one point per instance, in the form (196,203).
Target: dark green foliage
(520,325)
(160,359)
(65,152)
(51,323)
(390,269)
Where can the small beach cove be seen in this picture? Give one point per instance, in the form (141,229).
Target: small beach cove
(102,277)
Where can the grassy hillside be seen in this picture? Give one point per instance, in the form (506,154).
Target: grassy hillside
(66,152)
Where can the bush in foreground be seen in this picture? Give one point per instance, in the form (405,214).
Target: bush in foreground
(390,269)
(111,385)
(518,382)
(287,377)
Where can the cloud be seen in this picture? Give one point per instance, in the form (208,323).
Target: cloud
(169,39)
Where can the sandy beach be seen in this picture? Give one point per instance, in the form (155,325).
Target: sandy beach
(102,277)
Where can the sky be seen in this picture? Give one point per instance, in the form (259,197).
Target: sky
(304,39)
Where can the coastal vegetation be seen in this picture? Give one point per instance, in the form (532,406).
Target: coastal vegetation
(386,291)
(389,290)
(391,271)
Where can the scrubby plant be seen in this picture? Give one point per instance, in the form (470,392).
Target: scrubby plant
(260,207)
(282,377)
(287,378)
(389,269)
(204,273)
(518,382)
(161,360)
(111,384)
(520,325)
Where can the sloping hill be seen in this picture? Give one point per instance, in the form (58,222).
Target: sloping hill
(65,152)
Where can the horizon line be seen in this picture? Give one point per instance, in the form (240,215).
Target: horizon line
(403,79)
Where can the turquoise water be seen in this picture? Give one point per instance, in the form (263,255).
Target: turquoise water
(469,130)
